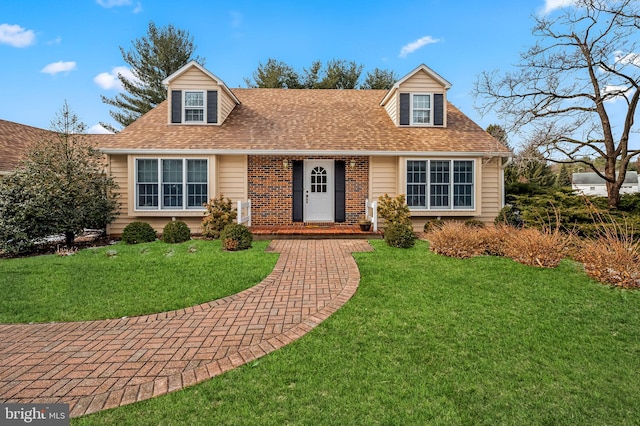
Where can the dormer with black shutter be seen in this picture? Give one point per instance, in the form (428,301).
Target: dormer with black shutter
(418,100)
(198,97)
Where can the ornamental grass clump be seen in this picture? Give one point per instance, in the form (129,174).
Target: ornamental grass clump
(138,232)
(612,257)
(455,239)
(541,248)
(236,236)
(176,232)
(220,213)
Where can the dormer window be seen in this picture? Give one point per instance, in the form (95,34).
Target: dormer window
(193,107)
(421,109)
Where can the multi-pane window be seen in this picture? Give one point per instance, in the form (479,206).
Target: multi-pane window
(147,184)
(319,179)
(193,106)
(420,109)
(196,183)
(440,184)
(463,184)
(416,183)
(163,183)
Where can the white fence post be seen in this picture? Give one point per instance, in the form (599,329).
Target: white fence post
(241,207)
(373,217)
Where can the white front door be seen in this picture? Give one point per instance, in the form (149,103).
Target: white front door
(318,191)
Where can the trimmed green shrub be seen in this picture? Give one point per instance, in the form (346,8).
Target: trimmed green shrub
(176,232)
(399,235)
(394,210)
(509,216)
(236,236)
(433,224)
(220,213)
(138,232)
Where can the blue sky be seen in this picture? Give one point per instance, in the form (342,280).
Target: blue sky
(63,50)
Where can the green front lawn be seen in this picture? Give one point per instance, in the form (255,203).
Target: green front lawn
(434,340)
(126,280)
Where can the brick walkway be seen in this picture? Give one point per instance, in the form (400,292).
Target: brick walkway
(96,365)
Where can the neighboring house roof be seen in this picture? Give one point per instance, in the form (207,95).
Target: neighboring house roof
(14,141)
(592,178)
(282,121)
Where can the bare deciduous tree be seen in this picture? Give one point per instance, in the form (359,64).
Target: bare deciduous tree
(584,64)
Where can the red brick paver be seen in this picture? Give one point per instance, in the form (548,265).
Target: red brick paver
(96,365)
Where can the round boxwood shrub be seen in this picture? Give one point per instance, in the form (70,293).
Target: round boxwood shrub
(138,232)
(236,236)
(399,235)
(176,232)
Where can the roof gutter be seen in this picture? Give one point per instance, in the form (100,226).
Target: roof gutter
(115,151)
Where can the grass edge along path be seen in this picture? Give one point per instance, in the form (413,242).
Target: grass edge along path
(126,280)
(433,340)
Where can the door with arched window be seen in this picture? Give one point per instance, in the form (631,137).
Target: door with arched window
(319,191)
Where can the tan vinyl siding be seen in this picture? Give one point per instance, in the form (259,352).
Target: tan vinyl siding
(392,109)
(193,79)
(383,177)
(118,169)
(226,105)
(232,177)
(491,190)
(421,82)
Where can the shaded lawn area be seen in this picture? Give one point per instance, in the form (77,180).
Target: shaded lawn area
(433,340)
(126,280)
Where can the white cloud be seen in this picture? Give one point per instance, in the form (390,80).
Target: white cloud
(138,8)
(58,67)
(627,58)
(551,5)
(110,80)
(415,45)
(56,40)
(97,129)
(113,3)
(16,36)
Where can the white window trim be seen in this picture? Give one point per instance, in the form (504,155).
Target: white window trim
(428,207)
(411,122)
(184,106)
(185,194)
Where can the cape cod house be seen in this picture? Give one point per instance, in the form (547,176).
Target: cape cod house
(301,156)
(304,155)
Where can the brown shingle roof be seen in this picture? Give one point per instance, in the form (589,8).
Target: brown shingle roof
(15,140)
(305,120)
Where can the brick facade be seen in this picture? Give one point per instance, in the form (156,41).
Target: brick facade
(271,192)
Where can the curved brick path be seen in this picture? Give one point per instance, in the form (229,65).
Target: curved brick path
(95,365)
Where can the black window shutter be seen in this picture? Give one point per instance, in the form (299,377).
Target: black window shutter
(298,190)
(340,191)
(405,109)
(212,106)
(176,106)
(438,109)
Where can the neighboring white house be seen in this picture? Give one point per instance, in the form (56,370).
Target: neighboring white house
(592,184)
